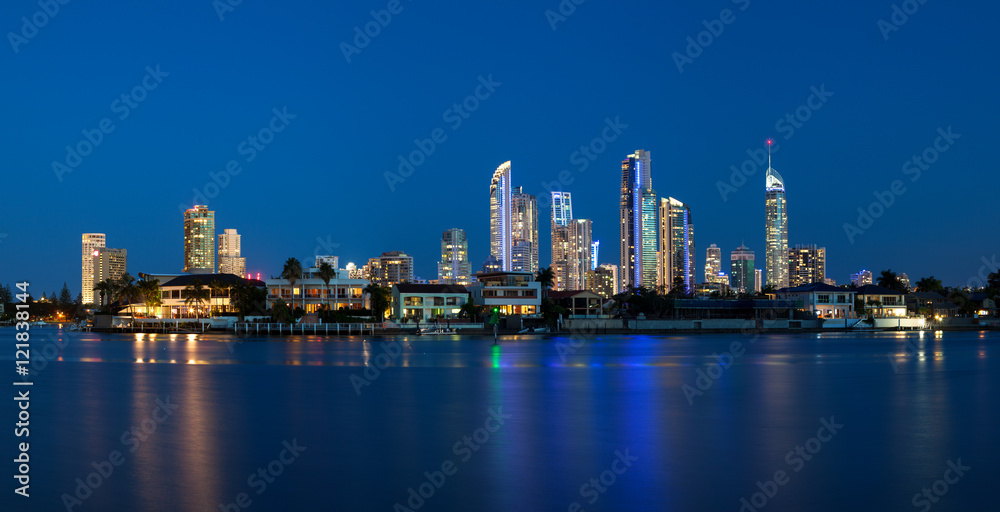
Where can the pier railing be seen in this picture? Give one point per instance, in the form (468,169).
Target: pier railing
(269,328)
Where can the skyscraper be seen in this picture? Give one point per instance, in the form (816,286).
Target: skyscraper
(454,267)
(572,245)
(91,241)
(677,245)
(743,275)
(758,280)
(391,268)
(603,280)
(713,262)
(638,227)
(562,208)
(500,216)
(595,248)
(776,226)
(109,264)
(806,265)
(199,240)
(524,232)
(230,261)
(862,278)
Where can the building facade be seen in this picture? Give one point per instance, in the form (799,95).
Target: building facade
(571,257)
(822,299)
(500,216)
(758,280)
(638,226)
(199,240)
(806,265)
(312,294)
(677,248)
(454,267)
(91,241)
(513,293)
(390,268)
(230,261)
(713,262)
(741,268)
(776,228)
(862,278)
(109,263)
(604,281)
(524,234)
(427,301)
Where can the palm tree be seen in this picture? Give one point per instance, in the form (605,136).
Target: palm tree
(326,272)
(890,280)
(292,272)
(196,293)
(149,290)
(217,287)
(378,298)
(545,276)
(127,291)
(107,289)
(929,284)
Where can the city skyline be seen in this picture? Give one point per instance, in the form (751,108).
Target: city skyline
(721,131)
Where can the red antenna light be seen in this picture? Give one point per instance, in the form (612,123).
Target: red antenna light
(770,141)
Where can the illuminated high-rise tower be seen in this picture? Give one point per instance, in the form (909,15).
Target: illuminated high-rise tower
(500,216)
(638,227)
(676,245)
(524,231)
(199,240)
(742,271)
(572,245)
(454,267)
(776,226)
(713,263)
(91,241)
(230,261)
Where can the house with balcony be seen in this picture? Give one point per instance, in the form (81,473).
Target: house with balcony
(312,294)
(578,303)
(514,293)
(882,302)
(426,302)
(823,300)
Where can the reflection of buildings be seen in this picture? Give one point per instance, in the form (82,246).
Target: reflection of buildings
(91,241)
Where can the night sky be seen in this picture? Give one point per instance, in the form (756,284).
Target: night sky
(321,181)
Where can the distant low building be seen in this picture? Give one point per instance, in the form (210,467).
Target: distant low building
(823,300)
(930,304)
(578,303)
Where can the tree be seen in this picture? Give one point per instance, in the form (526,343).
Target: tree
(107,289)
(149,290)
(281,313)
(470,310)
(248,299)
(326,273)
(547,277)
(292,271)
(127,291)
(378,298)
(891,281)
(5,296)
(929,284)
(65,298)
(217,287)
(196,294)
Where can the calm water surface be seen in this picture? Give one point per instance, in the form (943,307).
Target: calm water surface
(566,414)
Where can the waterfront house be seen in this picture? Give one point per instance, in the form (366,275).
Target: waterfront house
(823,300)
(427,301)
(882,302)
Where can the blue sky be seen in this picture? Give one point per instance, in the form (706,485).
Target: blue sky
(323,176)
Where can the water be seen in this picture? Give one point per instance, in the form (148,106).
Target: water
(571,409)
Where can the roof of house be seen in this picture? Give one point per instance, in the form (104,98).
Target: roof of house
(815,287)
(872,289)
(229,279)
(567,294)
(430,288)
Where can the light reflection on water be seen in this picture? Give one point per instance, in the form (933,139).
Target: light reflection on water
(239,398)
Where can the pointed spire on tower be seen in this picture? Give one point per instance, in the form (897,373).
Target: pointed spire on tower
(769,142)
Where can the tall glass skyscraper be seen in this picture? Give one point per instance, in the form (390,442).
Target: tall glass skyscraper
(776,228)
(454,267)
(572,243)
(742,272)
(677,247)
(562,208)
(524,231)
(713,263)
(199,240)
(638,227)
(91,241)
(500,216)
